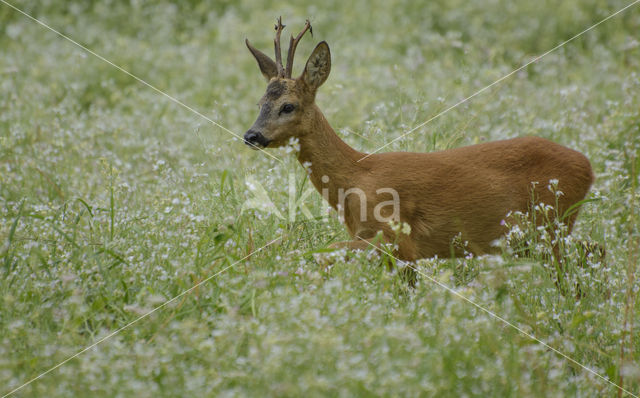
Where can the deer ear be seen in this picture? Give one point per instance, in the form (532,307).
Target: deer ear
(318,66)
(267,65)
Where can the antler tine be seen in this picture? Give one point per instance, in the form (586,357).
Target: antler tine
(276,42)
(293,43)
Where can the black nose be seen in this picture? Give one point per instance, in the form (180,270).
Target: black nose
(255,139)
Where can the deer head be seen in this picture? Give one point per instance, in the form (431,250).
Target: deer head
(287,107)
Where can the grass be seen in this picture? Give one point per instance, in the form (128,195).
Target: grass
(113,200)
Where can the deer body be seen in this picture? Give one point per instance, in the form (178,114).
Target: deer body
(465,192)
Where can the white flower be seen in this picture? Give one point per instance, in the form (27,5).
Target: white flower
(406,228)
(400,227)
(293,145)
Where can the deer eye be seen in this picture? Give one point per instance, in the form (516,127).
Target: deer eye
(287,108)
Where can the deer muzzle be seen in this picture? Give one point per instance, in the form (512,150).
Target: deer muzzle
(255,139)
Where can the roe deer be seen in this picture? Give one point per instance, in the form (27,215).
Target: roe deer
(464,192)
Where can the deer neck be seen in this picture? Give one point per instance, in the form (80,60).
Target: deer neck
(333,163)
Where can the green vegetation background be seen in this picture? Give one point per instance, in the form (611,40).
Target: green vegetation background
(114,199)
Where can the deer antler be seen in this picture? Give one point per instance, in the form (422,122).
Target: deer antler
(276,42)
(293,43)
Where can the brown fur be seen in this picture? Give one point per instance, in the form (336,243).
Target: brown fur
(467,190)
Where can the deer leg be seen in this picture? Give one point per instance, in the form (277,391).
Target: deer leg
(357,244)
(597,253)
(352,245)
(408,274)
(364,239)
(349,245)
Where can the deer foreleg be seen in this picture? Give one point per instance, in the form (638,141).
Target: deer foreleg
(352,245)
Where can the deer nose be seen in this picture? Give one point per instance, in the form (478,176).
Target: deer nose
(255,139)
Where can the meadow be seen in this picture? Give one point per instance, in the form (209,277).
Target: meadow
(115,199)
